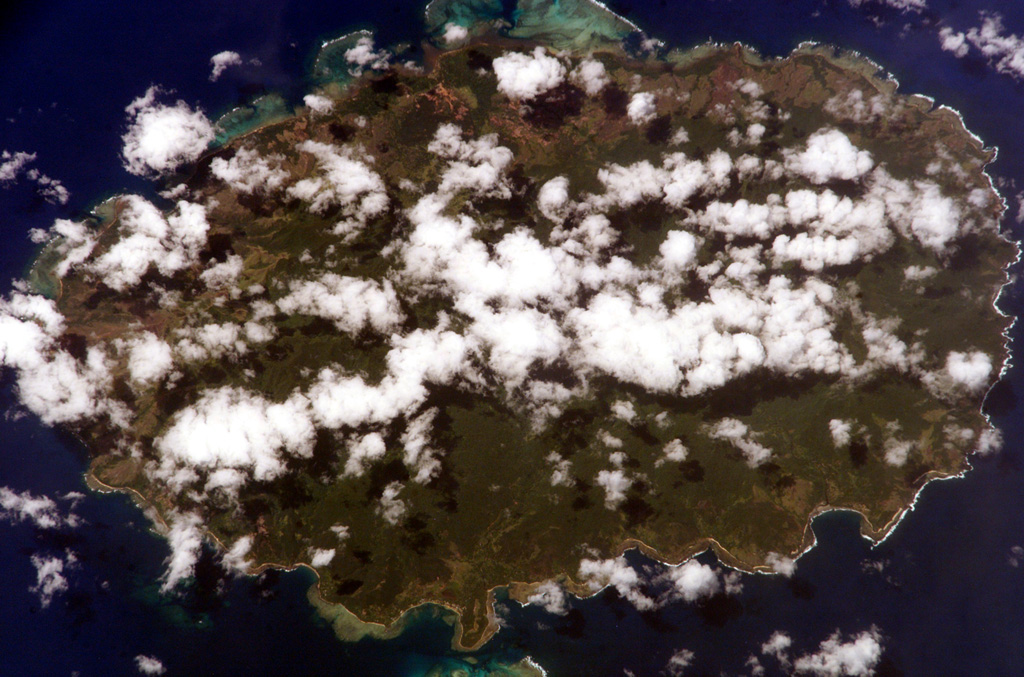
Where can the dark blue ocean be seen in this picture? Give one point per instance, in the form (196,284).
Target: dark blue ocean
(945,591)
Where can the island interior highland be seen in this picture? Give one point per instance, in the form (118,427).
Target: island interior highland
(490,319)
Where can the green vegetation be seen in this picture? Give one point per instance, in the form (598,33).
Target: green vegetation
(491,516)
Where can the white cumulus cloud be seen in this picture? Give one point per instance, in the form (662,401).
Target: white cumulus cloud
(642,108)
(550,596)
(524,76)
(249,172)
(321,557)
(41,511)
(344,179)
(149,238)
(591,75)
(318,104)
(50,578)
(615,484)
(149,358)
(736,432)
(679,661)
(351,303)
(16,165)
(829,155)
(856,657)
(186,540)
(970,370)
(221,61)
(149,665)
(617,573)
(161,138)
(236,432)
(694,581)
(454,34)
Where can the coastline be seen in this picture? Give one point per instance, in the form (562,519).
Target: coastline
(869,531)
(354,628)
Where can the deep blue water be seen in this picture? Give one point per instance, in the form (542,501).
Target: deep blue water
(942,590)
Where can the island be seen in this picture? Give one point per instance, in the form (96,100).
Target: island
(491,319)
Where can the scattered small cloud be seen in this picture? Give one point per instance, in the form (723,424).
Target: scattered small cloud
(50,576)
(615,484)
(916,6)
(364,56)
(616,573)
(970,370)
(954,41)
(454,34)
(149,358)
(854,657)
(694,581)
(551,597)
(674,451)
(656,587)
(186,540)
(1003,50)
(777,647)
(352,304)
(390,507)
(149,665)
(344,179)
(249,172)
(591,75)
(897,451)
(321,557)
(149,238)
(318,104)
(14,166)
(235,557)
(232,434)
(642,108)
(221,61)
(829,155)
(781,564)
(525,76)
(740,436)
(989,442)
(41,511)
(841,431)
(678,662)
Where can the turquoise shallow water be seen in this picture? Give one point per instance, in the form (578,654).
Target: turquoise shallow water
(942,591)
